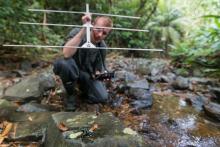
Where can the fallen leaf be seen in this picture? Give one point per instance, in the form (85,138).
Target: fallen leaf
(62,127)
(5,132)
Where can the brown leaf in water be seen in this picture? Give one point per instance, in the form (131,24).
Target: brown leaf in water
(62,127)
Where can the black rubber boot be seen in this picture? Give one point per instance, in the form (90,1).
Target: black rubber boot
(70,100)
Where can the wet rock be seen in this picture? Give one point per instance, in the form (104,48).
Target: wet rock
(7,108)
(142,67)
(216,93)
(31,87)
(142,104)
(8,74)
(181,83)
(46,80)
(138,93)
(141,84)
(109,132)
(125,76)
(153,79)
(151,67)
(213,110)
(33,107)
(30,127)
(196,101)
(27,88)
(143,100)
(168,78)
(19,73)
(204,81)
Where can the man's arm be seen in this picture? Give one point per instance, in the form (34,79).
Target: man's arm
(75,41)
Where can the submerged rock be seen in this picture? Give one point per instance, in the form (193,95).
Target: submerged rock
(196,101)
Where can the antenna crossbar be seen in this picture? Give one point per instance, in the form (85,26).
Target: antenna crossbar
(105,48)
(78,12)
(80,26)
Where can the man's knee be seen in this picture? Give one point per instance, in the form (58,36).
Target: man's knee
(98,97)
(66,69)
(61,64)
(58,65)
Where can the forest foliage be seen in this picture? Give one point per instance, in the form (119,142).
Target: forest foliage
(188,31)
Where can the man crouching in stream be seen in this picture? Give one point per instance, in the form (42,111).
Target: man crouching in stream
(80,65)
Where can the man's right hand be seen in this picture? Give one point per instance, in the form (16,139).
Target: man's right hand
(86,18)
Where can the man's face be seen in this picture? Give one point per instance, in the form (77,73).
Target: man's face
(100,34)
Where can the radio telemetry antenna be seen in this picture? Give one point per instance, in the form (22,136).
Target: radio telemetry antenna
(88,27)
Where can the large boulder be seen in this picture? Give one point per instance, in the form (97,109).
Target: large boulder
(31,87)
(27,88)
(110,131)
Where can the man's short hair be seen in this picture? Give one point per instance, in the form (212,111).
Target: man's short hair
(107,20)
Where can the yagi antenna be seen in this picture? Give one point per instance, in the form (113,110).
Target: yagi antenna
(88,26)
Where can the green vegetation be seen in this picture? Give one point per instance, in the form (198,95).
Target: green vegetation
(188,31)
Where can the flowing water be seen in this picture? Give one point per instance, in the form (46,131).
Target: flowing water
(172,122)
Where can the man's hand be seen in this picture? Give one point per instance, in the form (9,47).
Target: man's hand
(106,76)
(86,18)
